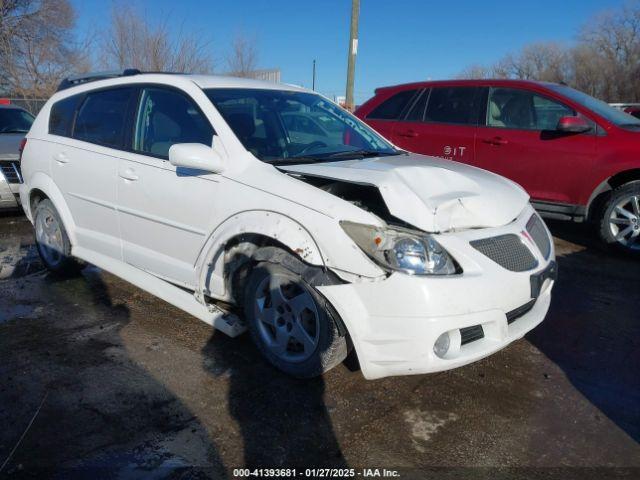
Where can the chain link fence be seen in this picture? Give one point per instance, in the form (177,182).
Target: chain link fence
(32,105)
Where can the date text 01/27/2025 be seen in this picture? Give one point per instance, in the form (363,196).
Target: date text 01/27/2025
(315,473)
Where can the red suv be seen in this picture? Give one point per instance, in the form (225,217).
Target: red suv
(578,157)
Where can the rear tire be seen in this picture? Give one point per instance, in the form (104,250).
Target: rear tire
(53,242)
(290,322)
(619,226)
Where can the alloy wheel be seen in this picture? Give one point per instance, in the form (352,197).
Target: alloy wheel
(49,236)
(287,318)
(624,222)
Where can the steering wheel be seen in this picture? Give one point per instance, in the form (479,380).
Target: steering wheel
(311,146)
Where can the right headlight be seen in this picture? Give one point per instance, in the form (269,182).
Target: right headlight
(402,250)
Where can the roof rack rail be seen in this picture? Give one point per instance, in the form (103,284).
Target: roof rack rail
(92,77)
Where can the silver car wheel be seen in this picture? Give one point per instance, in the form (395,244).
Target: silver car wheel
(49,237)
(624,222)
(287,318)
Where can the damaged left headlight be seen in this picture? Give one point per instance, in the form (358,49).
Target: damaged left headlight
(402,250)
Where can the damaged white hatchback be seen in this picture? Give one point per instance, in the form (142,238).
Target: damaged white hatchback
(267,207)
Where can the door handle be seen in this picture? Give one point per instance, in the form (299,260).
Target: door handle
(129,174)
(496,141)
(61,157)
(408,133)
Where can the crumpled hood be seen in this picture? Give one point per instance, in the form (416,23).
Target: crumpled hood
(433,194)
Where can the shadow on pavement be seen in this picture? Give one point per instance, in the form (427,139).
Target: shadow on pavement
(102,415)
(283,421)
(592,331)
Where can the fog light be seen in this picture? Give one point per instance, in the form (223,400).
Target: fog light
(441,347)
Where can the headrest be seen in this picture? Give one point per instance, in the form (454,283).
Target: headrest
(164,127)
(242,124)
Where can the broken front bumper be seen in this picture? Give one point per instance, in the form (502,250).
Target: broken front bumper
(395,323)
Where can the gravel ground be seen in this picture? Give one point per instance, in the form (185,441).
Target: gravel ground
(99,379)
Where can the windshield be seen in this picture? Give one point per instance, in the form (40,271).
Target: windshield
(279,126)
(15,120)
(615,116)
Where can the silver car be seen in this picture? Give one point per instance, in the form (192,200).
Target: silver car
(14,124)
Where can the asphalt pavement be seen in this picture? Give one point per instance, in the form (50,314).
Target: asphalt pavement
(99,379)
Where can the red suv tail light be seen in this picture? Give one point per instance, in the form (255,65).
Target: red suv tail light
(23,144)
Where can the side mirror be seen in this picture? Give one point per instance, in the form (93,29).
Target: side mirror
(573,125)
(196,156)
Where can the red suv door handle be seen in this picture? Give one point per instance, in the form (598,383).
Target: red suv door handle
(496,141)
(408,133)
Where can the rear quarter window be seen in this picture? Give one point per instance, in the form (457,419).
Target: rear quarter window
(61,117)
(392,107)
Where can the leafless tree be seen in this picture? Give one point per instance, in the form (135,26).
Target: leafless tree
(475,71)
(242,61)
(614,38)
(605,62)
(541,61)
(134,42)
(37,46)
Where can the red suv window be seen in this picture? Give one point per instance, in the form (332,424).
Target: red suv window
(524,110)
(393,107)
(457,105)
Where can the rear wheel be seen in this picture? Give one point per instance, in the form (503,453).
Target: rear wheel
(53,242)
(290,322)
(620,220)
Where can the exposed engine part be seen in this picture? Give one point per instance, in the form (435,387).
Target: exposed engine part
(366,197)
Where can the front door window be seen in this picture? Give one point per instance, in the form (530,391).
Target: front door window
(524,110)
(166,117)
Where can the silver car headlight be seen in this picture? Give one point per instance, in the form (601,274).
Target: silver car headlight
(404,250)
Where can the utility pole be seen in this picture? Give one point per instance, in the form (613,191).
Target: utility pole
(313,82)
(353,51)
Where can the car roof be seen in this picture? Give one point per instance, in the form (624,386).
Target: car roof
(177,79)
(467,83)
(220,81)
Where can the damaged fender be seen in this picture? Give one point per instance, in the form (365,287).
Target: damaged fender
(210,264)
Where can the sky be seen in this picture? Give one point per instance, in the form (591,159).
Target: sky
(399,41)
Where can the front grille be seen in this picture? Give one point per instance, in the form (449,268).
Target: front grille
(11,171)
(516,313)
(538,232)
(508,251)
(471,334)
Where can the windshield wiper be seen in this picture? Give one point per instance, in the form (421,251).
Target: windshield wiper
(635,125)
(336,156)
(361,154)
(290,160)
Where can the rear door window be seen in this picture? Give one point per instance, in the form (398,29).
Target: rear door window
(102,118)
(454,105)
(393,107)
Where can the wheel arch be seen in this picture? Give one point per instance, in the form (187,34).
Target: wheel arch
(259,227)
(42,187)
(599,195)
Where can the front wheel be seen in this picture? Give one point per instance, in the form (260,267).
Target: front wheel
(290,322)
(620,220)
(53,242)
